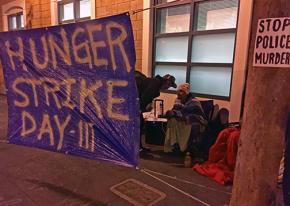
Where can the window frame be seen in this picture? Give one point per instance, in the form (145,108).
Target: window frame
(76,10)
(18,21)
(157,5)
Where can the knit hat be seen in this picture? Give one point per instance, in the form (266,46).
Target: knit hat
(184,87)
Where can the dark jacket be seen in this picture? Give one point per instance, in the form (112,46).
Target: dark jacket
(148,89)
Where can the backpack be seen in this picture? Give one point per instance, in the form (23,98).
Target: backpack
(216,124)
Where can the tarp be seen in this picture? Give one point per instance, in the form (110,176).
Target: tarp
(71,89)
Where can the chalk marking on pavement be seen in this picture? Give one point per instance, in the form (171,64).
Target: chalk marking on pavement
(188,182)
(177,189)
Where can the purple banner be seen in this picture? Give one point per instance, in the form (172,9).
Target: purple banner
(71,89)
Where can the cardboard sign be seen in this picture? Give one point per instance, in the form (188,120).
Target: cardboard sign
(71,89)
(272,46)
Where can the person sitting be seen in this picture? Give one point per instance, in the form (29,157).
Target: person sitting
(186,115)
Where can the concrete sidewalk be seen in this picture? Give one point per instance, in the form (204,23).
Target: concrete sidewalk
(30,176)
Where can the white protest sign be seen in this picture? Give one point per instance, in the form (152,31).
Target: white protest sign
(272,46)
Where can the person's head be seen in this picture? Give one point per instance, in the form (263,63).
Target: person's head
(182,91)
(169,81)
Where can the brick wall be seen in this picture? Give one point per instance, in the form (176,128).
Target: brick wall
(110,7)
(3,15)
(41,14)
(2,82)
(3,2)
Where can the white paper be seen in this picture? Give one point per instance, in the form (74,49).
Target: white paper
(272,46)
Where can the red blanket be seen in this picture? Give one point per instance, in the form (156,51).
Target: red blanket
(222,157)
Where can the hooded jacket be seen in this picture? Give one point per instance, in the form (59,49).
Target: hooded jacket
(148,89)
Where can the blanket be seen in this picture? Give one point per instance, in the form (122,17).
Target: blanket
(222,157)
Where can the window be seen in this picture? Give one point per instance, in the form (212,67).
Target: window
(194,40)
(74,10)
(15,21)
